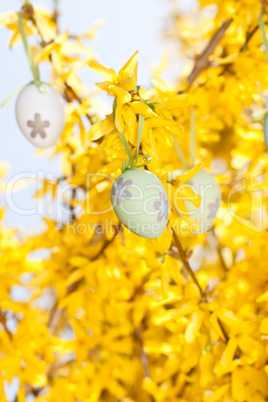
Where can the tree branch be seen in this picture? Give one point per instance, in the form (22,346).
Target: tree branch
(186,264)
(3,322)
(248,38)
(107,243)
(226,337)
(202,61)
(143,355)
(219,251)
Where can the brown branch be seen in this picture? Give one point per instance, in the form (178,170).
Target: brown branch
(3,322)
(76,97)
(190,271)
(107,243)
(28,389)
(143,355)
(242,49)
(219,251)
(55,319)
(202,61)
(248,38)
(187,265)
(226,337)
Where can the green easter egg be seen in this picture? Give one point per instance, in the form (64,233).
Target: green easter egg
(140,202)
(205,185)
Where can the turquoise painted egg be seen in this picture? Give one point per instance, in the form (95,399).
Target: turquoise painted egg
(140,202)
(205,185)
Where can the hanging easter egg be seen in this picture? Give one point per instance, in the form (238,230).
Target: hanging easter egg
(140,202)
(205,185)
(265,131)
(40,115)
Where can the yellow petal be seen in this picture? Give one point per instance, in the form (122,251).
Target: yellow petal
(264,326)
(263,297)
(131,125)
(128,84)
(46,27)
(107,73)
(100,128)
(206,368)
(187,192)
(142,108)
(193,327)
(118,121)
(8,18)
(177,101)
(228,354)
(190,173)
(122,95)
(155,122)
(130,69)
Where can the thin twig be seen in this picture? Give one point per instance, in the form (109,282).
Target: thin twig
(242,49)
(219,251)
(186,263)
(248,38)
(202,61)
(143,355)
(3,322)
(55,319)
(107,243)
(76,97)
(226,337)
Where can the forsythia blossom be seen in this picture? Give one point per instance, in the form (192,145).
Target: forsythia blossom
(127,320)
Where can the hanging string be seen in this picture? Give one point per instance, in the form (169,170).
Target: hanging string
(140,132)
(179,151)
(126,146)
(192,138)
(34,67)
(133,160)
(263,34)
(15,93)
(192,143)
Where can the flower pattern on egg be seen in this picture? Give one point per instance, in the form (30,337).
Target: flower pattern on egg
(38,126)
(162,207)
(213,208)
(120,190)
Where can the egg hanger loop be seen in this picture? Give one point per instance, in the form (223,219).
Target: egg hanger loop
(179,151)
(263,34)
(33,66)
(133,160)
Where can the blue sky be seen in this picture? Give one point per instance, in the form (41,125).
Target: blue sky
(129,25)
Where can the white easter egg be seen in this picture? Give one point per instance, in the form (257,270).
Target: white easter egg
(205,185)
(40,115)
(140,202)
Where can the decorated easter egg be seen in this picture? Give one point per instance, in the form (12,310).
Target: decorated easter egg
(140,202)
(40,115)
(205,185)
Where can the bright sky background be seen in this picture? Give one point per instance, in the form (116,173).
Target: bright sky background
(129,25)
